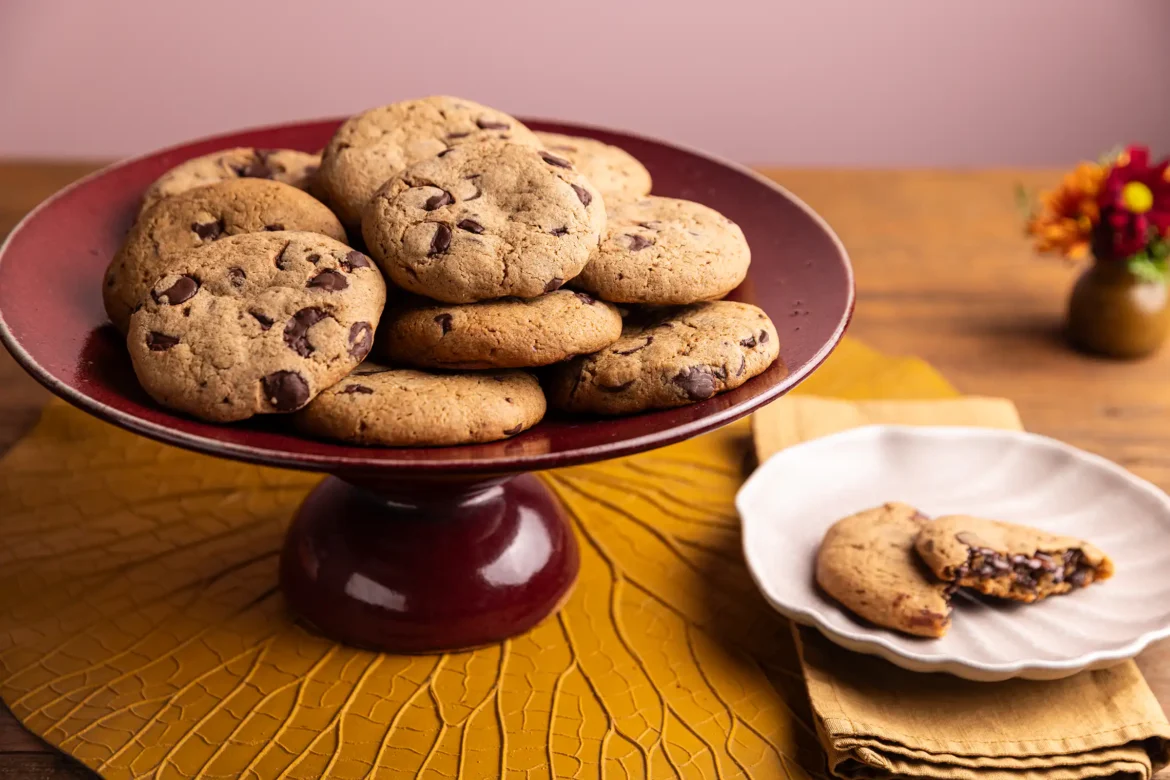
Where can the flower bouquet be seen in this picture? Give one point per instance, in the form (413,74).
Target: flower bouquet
(1118,211)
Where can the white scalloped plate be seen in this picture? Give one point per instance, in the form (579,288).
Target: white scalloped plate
(792,499)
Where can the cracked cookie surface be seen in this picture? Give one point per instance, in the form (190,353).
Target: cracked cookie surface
(505,333)
(676,358)
(284,165)
(199,218)
(666,251)
(868,564)
(1007,560)
(255,324)
(374,145)
(377,405)
(614,172)
(485,221)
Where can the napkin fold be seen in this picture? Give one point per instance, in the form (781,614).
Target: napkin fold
(876,720)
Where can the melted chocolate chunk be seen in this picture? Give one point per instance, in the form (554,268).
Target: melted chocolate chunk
(438,201)
(160,342)
(554,284)
(586,298)
(209,231)
(351,389)
(637,242)
(328,280)
(287,391)
(491,124)
(182,290)
(559,162)
(640,347)
(697,382)
(264,320)
(583,194)
(296,332)
(354,259)
(441,241)
(470,225)
(236,277)
(444,321)
(361,338)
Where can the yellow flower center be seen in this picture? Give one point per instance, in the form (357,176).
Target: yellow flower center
(1137,197)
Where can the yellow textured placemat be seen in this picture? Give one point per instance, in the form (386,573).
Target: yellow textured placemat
(140,628)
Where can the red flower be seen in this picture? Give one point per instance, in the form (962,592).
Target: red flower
(1135,202)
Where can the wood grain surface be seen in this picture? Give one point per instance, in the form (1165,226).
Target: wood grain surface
(942,273)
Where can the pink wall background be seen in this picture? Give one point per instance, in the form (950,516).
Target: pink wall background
(813,82)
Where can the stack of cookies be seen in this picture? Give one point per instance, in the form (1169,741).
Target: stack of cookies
(510,271)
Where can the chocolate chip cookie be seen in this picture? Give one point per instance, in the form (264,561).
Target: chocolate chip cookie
(673,359)
(199,218)
(485,221)
(377,144)
(505,333)
(377,405)
(615,173)
(283,165)
(255,323)
(867,563)
(1007,560)
(666,251)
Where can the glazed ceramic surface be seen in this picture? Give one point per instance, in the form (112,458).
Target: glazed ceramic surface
(52,320)
(793,498)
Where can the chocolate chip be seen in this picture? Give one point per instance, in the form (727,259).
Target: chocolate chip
(697,382)
(491,124)
(742,366)
(182,290)
(749,342)
(264,320)
(554,284)
(445,152)
(351,389)
(1078,578)
(637,242)
(583,194)
(279,261)
(354,259)
(471,226)
(720,372)
(586,298)
(763,337)
(552,159)
(208,231)
(361,338)
(287,391)
(329,280)
(514,431)
(453,136)
(275,226)
(236,277)
(478,193)
(615,388)
(561,231)
(296,332)
(257,169)
(648,342)
(438,201)
(314,258)
(441,241)
(444,321)
(160,342)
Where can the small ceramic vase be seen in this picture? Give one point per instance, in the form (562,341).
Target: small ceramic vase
(1112,312)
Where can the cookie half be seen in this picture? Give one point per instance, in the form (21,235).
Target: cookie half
(284,165)
(388,407)
(505,333)
(1007,560)
(199,218)
(675,358)
(614,172)
(255,324)
(666,251)
(485,221)
(868,564)
(374,145)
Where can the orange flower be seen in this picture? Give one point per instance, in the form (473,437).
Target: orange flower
(1067,215)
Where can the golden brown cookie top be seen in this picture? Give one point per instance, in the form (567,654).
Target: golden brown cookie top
(284,165)
(199,218)
(615,172)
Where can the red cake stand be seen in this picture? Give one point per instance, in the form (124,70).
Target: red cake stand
(426,549)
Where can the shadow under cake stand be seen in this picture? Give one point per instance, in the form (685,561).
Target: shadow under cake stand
(427,549)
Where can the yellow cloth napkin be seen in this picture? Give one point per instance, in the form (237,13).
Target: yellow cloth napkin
(876,720)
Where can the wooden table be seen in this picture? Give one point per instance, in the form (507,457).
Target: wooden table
(942,272)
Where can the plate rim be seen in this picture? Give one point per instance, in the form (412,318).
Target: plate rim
(289,458)
(873,641)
